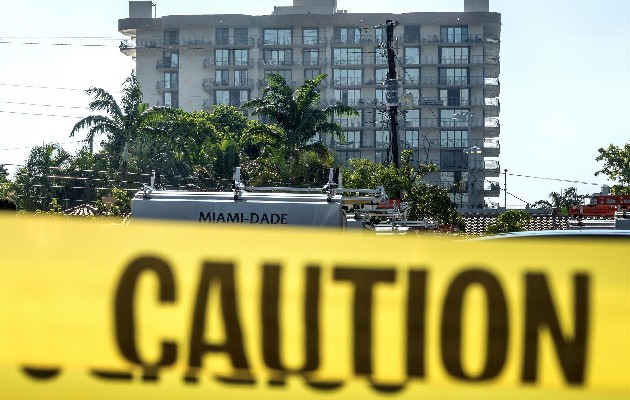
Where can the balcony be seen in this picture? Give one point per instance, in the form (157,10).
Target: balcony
(302,41)
(276,63)
(211,83)
(167,64)
(491,147)
(238,41)
(166,86)
(492,168)
(354,41)
(491,189)
(347,81)
(211,63)
(292,63)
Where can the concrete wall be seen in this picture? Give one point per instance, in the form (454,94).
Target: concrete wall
(476,5)
(140,9)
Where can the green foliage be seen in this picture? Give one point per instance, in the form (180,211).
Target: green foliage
(616,167)
(35,186)
(120,206)
(363,173)
(7,189)
(509,221)
(432,203)
(298,118)
(298,112)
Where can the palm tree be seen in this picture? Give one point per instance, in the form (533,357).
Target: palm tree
(299,114)
(122,122)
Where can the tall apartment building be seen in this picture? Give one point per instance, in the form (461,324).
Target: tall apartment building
(447,71)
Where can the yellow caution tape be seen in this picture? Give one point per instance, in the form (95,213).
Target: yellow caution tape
(161,310)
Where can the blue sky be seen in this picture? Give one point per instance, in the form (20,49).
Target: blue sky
(565,61)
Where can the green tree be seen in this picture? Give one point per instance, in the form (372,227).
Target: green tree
(433,203)
(568,197)
(363,173)
(41,180)
(509,221)
(299,117)
(123,122)
(616,167)
(6,186)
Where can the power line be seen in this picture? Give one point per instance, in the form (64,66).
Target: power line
(554,179)
(40,114)
(39,87)
(42,105)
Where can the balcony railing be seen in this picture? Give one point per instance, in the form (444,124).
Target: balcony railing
(166,85)
(211,83)
(452,39)
(222,62)
(248,41)
(295,41)
(167,64)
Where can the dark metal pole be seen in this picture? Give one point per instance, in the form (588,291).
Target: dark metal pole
(392,91)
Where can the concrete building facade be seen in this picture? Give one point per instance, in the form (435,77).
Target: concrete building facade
(447,77)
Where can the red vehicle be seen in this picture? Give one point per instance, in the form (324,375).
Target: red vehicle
(601,205)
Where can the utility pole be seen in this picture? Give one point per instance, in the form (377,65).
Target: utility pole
(391,94)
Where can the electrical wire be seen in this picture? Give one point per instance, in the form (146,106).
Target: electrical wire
(40,114)
(43,105)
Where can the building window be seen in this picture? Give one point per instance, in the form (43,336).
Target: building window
(312,73)
(285,73)
(453,159)
(381,139)
(347,77)
(347,56)
(231,97)
(348,97)
(221,57)
(171,80)
(310,35)
(222,36)
(241,36)
(347,35)
(454,55)
(454,139)
(344,156)
(241,57)
(381,96)
(448,119)
(380,75)
(412,76)
(171,38)
(240,77)
(380,35)
(279,57)
(453,34)
(411,139)
(411,98)
(412,55)
(412,33)
(352,140)
(459,97)
(221,77)
(412,118)
(170,59)
(281,37)
(380,58)
(453,76)
(349,121)
(310,57)
(171,99)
